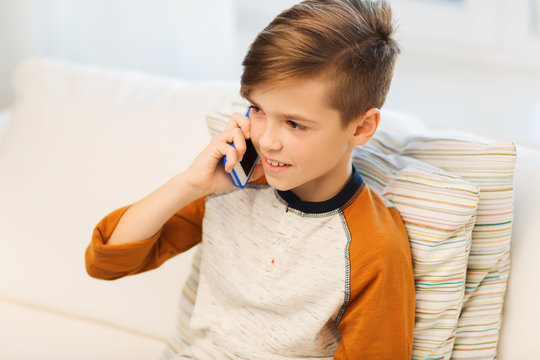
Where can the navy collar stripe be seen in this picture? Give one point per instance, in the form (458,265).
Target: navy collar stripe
(337,202)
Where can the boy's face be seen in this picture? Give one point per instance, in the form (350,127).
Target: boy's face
(300,139)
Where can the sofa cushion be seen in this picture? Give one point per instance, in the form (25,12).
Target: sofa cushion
(29,332)
(82,142)
(519,333)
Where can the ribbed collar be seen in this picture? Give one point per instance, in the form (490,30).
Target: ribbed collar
(337,202)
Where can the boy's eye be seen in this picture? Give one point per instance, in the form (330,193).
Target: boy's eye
(295,125)
(254,109)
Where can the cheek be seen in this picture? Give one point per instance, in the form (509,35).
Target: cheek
(256,132)
(258,126)
(305,152)
(320,151)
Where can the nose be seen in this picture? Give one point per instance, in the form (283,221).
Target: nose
(270,139)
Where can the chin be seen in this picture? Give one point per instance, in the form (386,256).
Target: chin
(277,185)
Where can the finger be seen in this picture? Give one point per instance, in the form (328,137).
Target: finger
(236,137)
(245,125)
(231,156)
(233,121)
(239,121)
(239,143)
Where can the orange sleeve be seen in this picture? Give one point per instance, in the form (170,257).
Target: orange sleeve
(378,321)
(180,233)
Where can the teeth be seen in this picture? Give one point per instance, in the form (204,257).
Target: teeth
(275,163)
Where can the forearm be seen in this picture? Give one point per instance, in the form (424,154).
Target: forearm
(206,175)
(144,218)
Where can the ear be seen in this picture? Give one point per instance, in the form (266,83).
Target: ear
(364,126)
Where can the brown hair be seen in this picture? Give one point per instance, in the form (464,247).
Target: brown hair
(345,42)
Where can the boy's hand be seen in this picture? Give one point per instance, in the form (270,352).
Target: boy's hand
(207,173)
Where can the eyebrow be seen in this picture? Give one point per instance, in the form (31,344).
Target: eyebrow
(291,116)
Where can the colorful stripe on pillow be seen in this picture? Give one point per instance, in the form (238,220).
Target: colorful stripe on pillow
(181,338)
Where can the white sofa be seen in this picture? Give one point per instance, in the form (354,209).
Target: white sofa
(80,141)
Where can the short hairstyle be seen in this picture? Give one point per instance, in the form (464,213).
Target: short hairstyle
(347,43)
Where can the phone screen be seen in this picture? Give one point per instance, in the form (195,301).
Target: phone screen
(250,157)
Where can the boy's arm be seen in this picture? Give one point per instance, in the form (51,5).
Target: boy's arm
(140,237)
(181,232)
(378,321)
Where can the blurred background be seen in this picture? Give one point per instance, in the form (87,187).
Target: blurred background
(471,65)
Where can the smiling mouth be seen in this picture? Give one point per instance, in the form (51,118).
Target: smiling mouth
(275,163)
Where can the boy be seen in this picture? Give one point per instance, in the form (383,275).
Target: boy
(306,261)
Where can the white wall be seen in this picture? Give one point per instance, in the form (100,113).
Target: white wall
(15,42)
(191,39)
(455,94)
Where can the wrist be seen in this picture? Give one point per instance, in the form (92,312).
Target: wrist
(181,182)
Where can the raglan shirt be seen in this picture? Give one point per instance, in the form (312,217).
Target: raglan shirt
(282,278)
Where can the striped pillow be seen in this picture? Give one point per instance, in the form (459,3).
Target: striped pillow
(439,211)
(181,338)
(491,167)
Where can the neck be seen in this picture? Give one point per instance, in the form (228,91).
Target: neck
(326,188)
